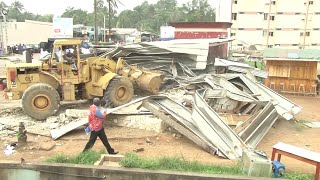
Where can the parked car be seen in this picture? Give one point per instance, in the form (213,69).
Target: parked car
(34,47)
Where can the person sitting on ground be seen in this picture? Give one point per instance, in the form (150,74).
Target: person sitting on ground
(95,119)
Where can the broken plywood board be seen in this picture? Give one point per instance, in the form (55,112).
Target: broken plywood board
(56,133)
(78,113)
(312,124)
(83,114)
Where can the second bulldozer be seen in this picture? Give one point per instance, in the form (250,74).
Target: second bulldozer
(65,76)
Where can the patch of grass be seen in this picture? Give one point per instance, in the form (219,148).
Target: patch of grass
(89,157)
(298,176)
(132,160)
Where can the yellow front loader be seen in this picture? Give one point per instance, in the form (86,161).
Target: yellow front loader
(65,76)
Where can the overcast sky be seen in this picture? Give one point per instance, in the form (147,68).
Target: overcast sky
(57,7)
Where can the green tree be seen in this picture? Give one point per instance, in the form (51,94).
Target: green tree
(79,16)
(15,11)
(198,10)
(18,6)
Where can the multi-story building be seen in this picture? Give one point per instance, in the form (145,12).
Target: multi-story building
(275,23)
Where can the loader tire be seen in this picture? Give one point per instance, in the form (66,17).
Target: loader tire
(119,91)
(40,101)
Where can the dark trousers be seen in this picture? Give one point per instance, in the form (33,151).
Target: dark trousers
(103,137)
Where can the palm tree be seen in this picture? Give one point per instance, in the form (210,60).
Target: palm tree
(4,8)
(17,5)
(113,4)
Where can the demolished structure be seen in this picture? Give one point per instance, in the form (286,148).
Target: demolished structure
(205,95)
(191,66)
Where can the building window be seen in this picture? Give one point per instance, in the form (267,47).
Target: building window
(15,26)
(313,44)
(233,34)
(270,33)
(264,33)
(265,16)
(310,2)
(241,12)
(278,29)
(318,13)
(279,12)
(272,18)
(307,33)
(269,46)
(235,2)
(273,2)
(294,44)
(301,34)
(316,29)
(234,16)
(240,28)
(277,45)
(297,13)
(296,29)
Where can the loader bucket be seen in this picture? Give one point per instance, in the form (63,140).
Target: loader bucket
(150,81)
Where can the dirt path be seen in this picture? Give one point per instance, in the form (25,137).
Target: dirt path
(126,140)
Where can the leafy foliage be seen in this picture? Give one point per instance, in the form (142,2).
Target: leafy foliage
(149,17)
(145,17)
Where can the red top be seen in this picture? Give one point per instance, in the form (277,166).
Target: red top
(95,122)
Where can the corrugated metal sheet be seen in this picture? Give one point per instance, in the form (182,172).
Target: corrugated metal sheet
(291,53)
(258,126)
(255,72)
(284,106)
(240,67)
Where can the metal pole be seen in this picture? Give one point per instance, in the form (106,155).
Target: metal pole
(95,23)
(104,28)
(6,32)
(109,34)
(1,26)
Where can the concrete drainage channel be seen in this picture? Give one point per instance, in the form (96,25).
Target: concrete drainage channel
(41,171)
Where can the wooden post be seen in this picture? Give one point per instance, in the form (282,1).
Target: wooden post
(279,157)
(273,154)
(316,177)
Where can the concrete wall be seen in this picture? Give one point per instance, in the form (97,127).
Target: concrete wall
(28,32)
(38,171)
(289,22)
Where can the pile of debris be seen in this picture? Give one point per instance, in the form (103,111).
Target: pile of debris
(200,117)
(225,114)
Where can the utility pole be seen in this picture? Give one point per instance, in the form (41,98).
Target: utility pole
(104,28)
(109,33)
(95,23)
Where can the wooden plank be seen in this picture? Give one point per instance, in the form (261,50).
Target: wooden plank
(313,156)
(296,157)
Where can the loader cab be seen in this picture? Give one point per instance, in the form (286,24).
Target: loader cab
(65,54)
